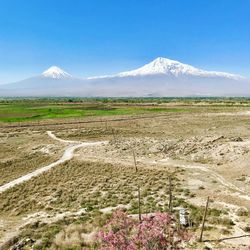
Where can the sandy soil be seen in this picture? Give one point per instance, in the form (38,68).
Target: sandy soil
(67,155)
(213,149)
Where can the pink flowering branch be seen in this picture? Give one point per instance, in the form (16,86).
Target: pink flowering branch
(155,232)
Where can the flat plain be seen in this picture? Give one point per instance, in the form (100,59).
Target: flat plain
(202,143)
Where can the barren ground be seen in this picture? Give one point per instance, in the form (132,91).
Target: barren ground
(206,152)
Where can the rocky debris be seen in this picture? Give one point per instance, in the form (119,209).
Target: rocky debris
(242,211)
(22,243)
(247,228)
(141,146)
(209,149)
(236,139)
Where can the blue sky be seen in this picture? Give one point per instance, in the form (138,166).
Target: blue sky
(96,37)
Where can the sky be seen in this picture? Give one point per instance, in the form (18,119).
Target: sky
(98,37)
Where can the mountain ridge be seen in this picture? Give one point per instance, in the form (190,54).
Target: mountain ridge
(166,66)
(161,77)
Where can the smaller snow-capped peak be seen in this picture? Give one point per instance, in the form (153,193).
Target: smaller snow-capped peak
(56,73)
(166,66)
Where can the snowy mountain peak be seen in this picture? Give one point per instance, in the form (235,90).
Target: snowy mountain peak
(169,67)
(56,72)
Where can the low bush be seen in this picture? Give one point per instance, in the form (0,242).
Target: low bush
(152,232)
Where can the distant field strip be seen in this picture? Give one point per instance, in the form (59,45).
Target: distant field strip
(36,112)
(23,125)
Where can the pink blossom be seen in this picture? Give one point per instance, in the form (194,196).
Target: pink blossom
(152,233)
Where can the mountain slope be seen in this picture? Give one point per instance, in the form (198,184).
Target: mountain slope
(161,77)
(52,82)
(174,68)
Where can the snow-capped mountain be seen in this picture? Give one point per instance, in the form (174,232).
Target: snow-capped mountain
(52,82)
(56,73)
(161,77)
(169,67)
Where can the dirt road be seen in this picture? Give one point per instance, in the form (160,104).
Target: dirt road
(67,155)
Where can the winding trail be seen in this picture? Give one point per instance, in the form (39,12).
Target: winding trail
(237,191)
(67,155)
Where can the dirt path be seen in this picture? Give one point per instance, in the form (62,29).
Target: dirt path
(204,169)
(51,135)
(67,155)
(233,189)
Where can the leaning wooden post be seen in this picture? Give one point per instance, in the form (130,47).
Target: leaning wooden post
(113,133)
(139,203)
(136,169)
(203,220)
(170,206)
(106,125)
(139,190)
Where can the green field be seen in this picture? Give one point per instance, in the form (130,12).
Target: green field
(20,110)
(29,111)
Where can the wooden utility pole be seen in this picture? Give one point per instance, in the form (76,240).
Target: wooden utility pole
(136,169)
(139,203)
(139,190)
(204,219)
(170,205)
(113,133)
